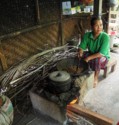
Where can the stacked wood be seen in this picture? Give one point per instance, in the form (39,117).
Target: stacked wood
(32,70)
(75,110)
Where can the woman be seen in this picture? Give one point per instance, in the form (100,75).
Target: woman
(97,44)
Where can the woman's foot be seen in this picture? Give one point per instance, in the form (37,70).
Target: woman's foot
(95,79)
(95,84)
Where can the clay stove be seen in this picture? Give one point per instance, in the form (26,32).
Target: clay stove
(49,101)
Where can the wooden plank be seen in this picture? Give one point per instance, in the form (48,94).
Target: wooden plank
(98,119)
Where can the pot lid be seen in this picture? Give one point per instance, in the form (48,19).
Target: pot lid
(59,76)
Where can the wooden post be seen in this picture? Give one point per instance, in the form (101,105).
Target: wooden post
(97,7)
(37,11)
(61,25)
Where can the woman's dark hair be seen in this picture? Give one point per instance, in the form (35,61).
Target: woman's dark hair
(93,19)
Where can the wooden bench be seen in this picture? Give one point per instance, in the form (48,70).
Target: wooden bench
(111,64)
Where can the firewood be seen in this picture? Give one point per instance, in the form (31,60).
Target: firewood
(77,118)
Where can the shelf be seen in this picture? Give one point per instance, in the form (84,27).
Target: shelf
(78,15)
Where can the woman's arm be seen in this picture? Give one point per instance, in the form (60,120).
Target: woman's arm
(96,55)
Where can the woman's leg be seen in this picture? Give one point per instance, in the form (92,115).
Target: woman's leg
(96,74)
(96,64)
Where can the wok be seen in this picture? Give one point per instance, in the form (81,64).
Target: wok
(74,66)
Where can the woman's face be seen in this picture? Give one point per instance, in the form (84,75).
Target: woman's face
(97,27)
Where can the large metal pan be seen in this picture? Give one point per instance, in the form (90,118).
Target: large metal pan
(74,66)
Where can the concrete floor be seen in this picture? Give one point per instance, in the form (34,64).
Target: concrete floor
(33,118)
(104,99)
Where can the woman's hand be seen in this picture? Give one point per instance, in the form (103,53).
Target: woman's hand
(87,59)
(80,53)
(96,55)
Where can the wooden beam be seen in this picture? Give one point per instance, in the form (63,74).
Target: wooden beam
(98,119)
